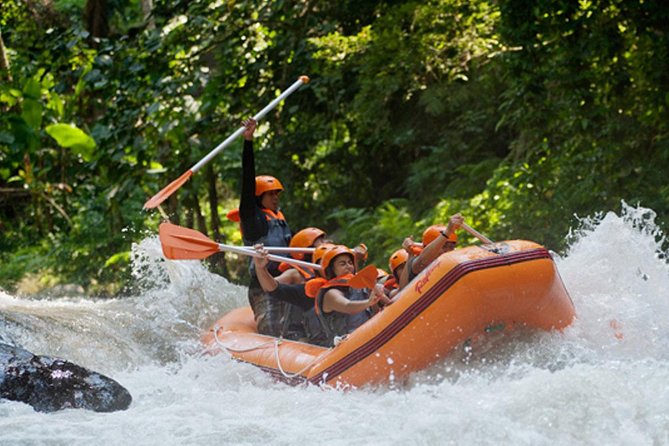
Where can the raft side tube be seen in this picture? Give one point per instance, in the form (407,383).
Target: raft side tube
(457,296)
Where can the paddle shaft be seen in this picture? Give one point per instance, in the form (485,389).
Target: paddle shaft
(248,251)
(188,244)
(282,249)
(258,116)
(476,234)
(472,231)
(168,190)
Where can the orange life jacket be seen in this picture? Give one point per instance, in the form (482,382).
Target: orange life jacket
(307,273)
(391,284)
(313,286)
(233,215)
(337,324)
(270,214)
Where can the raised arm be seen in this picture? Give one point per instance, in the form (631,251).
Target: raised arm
(253,223)
(436,247)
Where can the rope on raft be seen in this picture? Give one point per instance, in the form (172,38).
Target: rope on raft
(243,350)
(276,343)
(298,373)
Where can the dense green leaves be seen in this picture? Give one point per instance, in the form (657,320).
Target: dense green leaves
(517,114)
(71,137)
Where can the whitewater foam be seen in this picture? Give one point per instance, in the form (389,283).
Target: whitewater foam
(603,380)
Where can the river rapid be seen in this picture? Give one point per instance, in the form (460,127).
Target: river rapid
(604,380)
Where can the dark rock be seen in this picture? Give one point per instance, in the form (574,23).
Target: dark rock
(49,384)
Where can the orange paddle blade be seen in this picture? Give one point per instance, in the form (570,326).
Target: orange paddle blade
(233,215)
(168,190)
(366,278)
(185,244)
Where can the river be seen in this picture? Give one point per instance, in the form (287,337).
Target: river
(604,380)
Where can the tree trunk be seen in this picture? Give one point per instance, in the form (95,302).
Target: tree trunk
(199,218)
(96,18)
(194,217)
(213,202)
(217,260)
(147,12)
(173,209)
(4,61)
(190,213)
(37,210)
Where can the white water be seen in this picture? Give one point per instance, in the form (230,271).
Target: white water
(605,380)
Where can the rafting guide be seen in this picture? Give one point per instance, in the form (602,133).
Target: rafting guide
(262,221)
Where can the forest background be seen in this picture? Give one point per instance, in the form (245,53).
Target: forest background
(521,115)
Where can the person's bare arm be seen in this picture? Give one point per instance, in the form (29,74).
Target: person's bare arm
(267,282)
(436,247)
(290,277)
(334,300)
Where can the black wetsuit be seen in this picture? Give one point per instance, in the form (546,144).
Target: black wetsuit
(259,227)
(296,297)
(252,219)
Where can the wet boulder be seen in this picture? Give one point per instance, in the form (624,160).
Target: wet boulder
(49,384)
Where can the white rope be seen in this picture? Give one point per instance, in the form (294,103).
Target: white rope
(244,350)
(298,373)
(276,343)
(338,339)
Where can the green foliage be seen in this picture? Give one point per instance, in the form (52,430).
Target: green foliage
(71,137)
(382,229)
(390,84)
(517,114)
(18,263)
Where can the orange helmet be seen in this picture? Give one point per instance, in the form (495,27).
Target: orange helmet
(266,183)
(398,259)
(433,232)
(380,274)
(320,251)
(333,252)
(305,239)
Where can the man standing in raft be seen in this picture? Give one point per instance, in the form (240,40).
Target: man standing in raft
(261,222)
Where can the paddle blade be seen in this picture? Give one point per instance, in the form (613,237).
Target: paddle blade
(233,215)
(366,278)
(185,244)
(168,190)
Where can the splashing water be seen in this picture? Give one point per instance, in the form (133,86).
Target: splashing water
(603,380)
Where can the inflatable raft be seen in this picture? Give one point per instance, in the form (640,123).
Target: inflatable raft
(455,298)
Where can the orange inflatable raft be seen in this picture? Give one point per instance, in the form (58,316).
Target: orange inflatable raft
(455,298)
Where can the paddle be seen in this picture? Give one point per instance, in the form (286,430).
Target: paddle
(365,278)
(180,243)
(282,249)
(176,184)
(476,234)
(469,229)
(188,244)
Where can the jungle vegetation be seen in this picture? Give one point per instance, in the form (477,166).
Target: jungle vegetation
(521,115)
